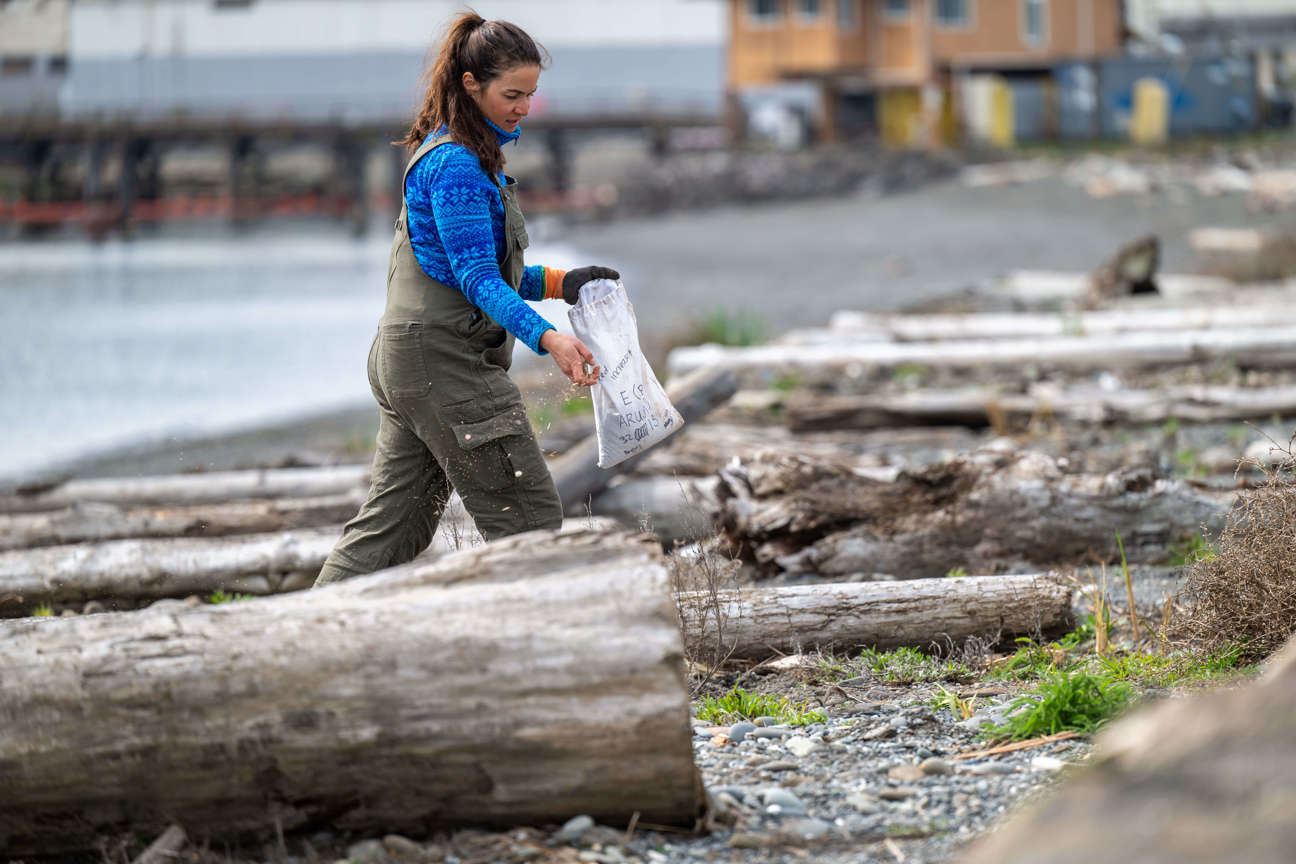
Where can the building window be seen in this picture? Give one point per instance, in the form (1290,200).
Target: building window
(896,9)
(764,11)
(847,14)
(1033,21)
(808,10)
(952,13)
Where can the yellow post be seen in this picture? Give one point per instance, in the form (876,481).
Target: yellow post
(1001,114)
(899,116)
(1150,121)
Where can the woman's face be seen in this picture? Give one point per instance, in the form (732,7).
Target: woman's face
(505,99)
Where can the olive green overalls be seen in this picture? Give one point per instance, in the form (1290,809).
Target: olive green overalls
(450,415)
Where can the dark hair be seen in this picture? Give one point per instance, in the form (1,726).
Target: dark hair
(486,49)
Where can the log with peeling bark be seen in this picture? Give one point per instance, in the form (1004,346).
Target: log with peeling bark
(1270,347)
(183,489)
(847,326)
(758,623)
(380,704)
(979,407)
(992,509)
(576,472)
(97,522)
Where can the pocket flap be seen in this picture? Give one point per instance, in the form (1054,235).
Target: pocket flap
(473,435)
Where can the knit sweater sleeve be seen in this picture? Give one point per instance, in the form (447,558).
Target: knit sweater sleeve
(461,206)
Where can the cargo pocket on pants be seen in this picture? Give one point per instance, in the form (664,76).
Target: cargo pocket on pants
(487,451)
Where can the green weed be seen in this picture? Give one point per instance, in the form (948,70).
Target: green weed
(219,596)
(1078,701)
(738,704)
(1190,464)
(1191,550)
(726,328)
(908,374)
(44,610)
(956,573)
(1030,662)
(911,666)
(786,383)
(955,704)
(1170,427)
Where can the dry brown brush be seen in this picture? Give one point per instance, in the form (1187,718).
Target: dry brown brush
(1242,593)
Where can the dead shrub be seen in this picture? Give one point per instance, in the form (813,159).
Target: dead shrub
(1243,593)
(702,576)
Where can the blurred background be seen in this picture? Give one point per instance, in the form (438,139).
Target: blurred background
(196,196)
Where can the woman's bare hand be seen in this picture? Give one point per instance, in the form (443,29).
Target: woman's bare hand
(571,355)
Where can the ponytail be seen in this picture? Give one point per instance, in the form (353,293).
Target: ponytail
(486,49)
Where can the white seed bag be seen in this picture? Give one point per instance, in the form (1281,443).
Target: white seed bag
(631,411)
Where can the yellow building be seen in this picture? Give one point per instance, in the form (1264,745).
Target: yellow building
(895,66)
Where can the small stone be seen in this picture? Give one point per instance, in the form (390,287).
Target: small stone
(769,733)
(766,721)
(991,768)
(802,747)
(398,845)
(365,851)
(739,731)
(806,829)
(93,608)
(863,802)
(68,613)
(193,600)
(573,829)
(1047,764)
(973,723)
(757,761)
(897,793)
(781,765)
(746,840)
(935,765)
(877,733)
(906,774)
(783,799)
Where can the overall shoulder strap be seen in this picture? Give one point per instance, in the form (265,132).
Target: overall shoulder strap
(426,147)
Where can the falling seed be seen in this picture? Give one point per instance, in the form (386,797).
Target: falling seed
(467,436)
(517,473)
(505,508)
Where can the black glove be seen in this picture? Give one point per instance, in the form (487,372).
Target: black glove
(574,279)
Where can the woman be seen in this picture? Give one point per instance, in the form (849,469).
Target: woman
(450,415)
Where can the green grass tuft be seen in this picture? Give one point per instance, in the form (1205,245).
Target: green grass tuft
(219,596)
(738,704)
(1077,701)
(44,610)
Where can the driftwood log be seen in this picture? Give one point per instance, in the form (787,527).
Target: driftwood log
(99,522)
(992,509)
(847,326)
(980,407)
(1268,347)
(576,472)
(763,622)
(380,704)
(182,489)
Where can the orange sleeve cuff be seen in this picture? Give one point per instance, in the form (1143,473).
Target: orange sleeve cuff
(553,283)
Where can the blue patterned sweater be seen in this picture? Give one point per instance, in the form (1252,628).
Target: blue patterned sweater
(456,227)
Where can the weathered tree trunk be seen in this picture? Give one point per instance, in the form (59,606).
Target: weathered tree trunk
(806,412)
(761,622)
(1043,288)
(671,508)
(1271,347)
(849,327)
(384,703)
(576,472)
(192,488)
(100,522)
(705,448)
(987,510)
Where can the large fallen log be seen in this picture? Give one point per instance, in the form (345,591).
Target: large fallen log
(992,509)
(762,622)
(182,489)
(1273,347)
(848,326)
(980,407)
(380,704)
(576,472)
(99,522)
(135,571)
